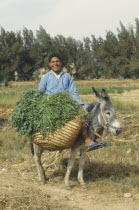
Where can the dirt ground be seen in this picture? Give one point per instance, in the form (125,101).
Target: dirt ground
(20,189)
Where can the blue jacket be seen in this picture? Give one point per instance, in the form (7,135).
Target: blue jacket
(50,84)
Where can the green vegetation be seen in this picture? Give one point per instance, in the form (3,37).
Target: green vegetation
(115,56)
(10,95)
(115,89)
(38,112)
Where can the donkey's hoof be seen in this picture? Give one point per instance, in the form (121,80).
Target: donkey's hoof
(67,187)
(82,183)
(42,182)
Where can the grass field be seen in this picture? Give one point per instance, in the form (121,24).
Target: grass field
(113,169)
(10,95)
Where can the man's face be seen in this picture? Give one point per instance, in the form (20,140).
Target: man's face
(55,64)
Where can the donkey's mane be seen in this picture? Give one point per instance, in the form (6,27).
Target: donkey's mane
(92,105)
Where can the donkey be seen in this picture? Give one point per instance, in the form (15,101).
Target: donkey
(101,115)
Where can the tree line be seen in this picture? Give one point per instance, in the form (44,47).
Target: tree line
(116,56)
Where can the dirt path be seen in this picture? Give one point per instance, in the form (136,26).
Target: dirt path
(19,189)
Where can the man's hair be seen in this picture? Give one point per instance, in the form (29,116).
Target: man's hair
(54,55)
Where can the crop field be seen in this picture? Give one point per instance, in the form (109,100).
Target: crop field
(111,173)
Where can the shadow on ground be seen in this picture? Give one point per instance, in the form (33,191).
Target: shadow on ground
(99,170)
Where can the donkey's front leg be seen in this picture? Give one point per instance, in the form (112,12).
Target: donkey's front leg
(37,159)
(81,167)
(70,166)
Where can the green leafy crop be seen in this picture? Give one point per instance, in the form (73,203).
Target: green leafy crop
(38,112)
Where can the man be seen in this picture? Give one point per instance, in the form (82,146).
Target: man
(57,80)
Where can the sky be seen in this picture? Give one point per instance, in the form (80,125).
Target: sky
(75,18)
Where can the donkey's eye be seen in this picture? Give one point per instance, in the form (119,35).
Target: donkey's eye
(108,113)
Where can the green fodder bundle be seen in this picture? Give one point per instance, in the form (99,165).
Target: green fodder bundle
(38,112)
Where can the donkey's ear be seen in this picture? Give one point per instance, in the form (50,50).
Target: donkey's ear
(98,96)
(94,90)
(105,95)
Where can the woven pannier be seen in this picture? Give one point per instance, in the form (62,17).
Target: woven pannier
(62,138)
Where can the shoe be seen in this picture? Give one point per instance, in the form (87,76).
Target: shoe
(95,146)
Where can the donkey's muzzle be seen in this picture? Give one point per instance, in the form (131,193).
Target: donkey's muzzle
(118,131)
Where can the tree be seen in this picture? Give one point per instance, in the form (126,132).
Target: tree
(11,53)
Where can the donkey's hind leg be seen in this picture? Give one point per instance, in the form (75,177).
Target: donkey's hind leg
(74,152)
(37,158)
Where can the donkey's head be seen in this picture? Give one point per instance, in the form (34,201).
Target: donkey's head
(107,114)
